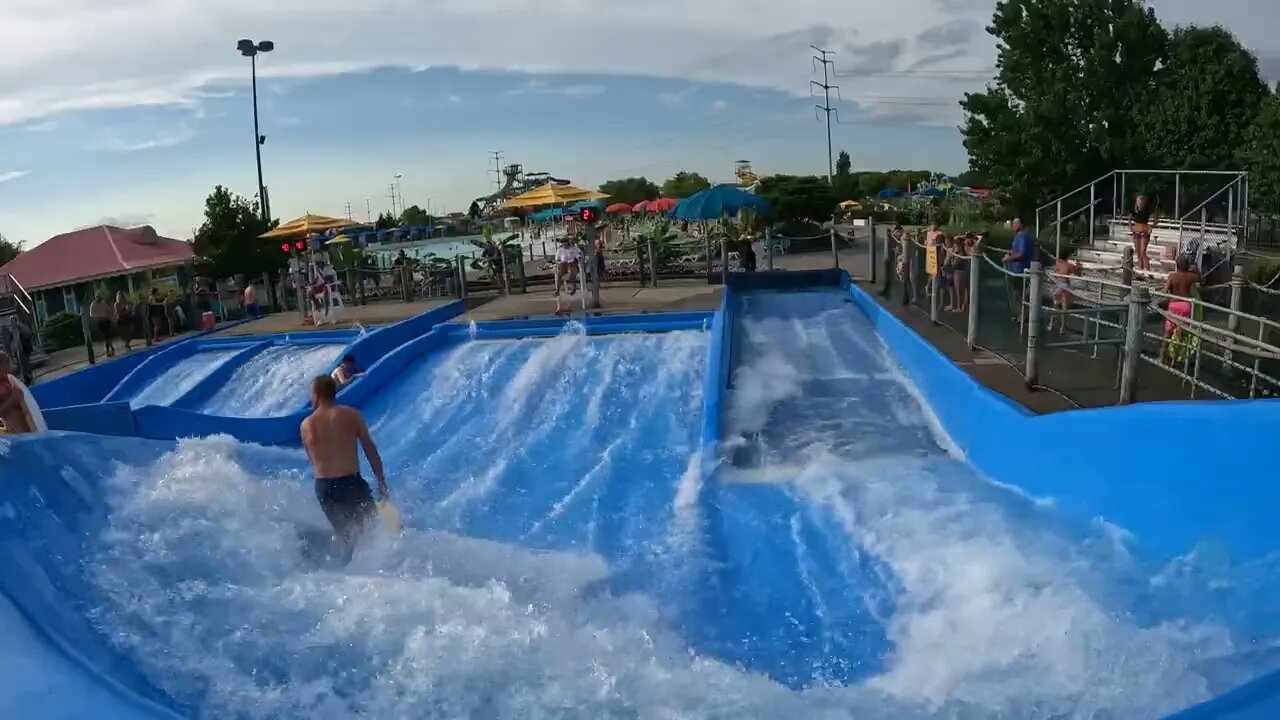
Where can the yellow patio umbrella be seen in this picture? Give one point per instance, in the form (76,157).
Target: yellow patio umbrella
(850,205)
(338,240)
(306,225)
(552,194)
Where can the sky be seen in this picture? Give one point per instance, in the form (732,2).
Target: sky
(130,111)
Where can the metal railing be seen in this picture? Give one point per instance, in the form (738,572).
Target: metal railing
(1123,334)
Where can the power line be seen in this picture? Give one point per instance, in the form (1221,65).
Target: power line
(497,167)
(828,66)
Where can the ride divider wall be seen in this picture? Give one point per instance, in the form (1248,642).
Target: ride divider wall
(395,347)
(1210,484)
(92,384)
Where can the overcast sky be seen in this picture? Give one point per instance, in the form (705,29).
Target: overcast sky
(130,110)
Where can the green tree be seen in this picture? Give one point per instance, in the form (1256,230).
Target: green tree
(385,221)
(474,212)
(1260,154)
(905,180)
(8,249)
(798,198)
(1207,94)
(414,216)
(630,190)
(870,183)
(1066,103)
(844,183)
(227,243)
(683,184)
(973,178)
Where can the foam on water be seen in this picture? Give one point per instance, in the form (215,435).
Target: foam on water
(564,557)
(995,609)
(276,381)
(184,375)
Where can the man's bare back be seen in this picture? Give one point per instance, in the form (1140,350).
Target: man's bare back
(330,435)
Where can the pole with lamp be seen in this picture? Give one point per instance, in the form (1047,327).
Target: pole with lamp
(250,49)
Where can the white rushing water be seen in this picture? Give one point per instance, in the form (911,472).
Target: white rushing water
(564,558)
(184,375)
(276,381)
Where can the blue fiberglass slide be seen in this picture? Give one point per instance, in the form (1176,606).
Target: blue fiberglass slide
(566,554)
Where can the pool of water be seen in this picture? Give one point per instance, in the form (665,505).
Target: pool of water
(276,381)
(179,379)
(564,557)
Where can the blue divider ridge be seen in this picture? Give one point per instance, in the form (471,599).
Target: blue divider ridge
(205,389)
(149,370)
(92,384)
(105,418)
(715,384)
(169,422)
(1178,475)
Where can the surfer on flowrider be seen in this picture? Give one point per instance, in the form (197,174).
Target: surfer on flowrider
(330,435)
(568,267)
(19,412)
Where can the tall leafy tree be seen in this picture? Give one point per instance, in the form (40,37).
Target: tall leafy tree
(871,183)
(1260,154)
(798,198)
(1207,94)
(474,211)
(1065,104)
(414,216)
(630,190)
(8,249)
(227,242)
(683,184)
(844,183)
(386,221)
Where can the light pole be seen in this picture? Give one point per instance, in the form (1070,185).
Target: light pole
(250,49)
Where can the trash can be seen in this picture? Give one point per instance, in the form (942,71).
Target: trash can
(207,321)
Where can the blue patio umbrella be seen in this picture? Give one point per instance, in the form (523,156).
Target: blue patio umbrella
(578,206)
(718,201)
(887,193)
(933,192)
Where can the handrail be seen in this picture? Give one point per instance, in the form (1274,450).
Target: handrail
(1086,186)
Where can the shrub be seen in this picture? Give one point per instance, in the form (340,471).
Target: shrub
(62,330)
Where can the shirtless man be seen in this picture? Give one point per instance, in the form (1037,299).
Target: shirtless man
(330,435)
(11,399)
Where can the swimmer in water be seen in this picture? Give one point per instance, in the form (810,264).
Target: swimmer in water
(330,435)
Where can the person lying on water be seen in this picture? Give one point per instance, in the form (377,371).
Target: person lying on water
(330,435)
(347,372)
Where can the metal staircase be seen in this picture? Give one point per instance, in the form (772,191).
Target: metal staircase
(1094,219)
(18,322)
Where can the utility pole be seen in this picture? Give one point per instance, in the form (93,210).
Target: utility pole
(828,68)
(391,193)
(349,211)
(497,167)
(368,211)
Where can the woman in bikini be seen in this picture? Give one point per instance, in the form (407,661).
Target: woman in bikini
(1141,219)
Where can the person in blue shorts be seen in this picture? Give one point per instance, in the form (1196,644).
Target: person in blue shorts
(331,435)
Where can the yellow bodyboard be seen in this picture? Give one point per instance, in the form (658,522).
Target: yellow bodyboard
(390,517)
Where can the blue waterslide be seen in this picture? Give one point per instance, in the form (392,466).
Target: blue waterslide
(793,509)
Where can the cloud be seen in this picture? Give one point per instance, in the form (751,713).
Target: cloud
(13,175)
(719,106)
(72,57)
(46,126)
(130,220)
(455,99)
(166,138)
(538,86)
